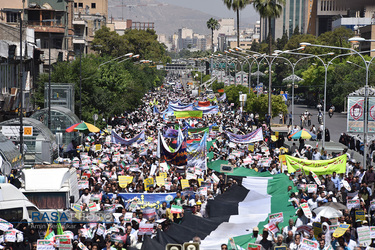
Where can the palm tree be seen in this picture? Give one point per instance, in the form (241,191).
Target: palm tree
(269,9)
(213,24)
(237,5)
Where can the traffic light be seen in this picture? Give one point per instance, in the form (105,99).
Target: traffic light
(173,247)
(207,68)
(191,246)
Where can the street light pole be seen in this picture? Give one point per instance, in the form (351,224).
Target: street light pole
(80,82)
(366,93)
(21,89)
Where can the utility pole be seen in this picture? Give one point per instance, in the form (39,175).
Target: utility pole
(21,89)
(49,81)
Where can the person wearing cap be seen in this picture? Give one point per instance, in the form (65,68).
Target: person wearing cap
(256,235)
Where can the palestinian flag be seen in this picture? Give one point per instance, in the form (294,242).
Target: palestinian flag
(176,209)
(233,214)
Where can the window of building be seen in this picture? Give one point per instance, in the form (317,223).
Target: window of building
(75,5)
(93,5)
(12,17)
(80,5)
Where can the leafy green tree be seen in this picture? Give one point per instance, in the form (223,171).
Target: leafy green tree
(233,93)
(217,85)
(260,105)
(109,90)
(237,5)
(281,42)
(269,9)
(213,24)
(296,31)
(142,42)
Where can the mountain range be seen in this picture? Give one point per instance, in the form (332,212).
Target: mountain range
(168,18)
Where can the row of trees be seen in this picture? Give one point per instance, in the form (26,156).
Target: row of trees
(254,103)
(114,87)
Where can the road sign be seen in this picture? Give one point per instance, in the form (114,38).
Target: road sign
(15,130)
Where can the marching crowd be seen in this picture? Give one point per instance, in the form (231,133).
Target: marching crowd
(100,168)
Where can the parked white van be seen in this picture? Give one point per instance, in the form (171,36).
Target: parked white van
(14,206)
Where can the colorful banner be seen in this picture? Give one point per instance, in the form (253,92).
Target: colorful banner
(208,110)
(178,157)
(144,200)
(188,114)
(255,136)
(320,167)
(355,114)
(204,104)
(197,158)
(115,138)
(180,107)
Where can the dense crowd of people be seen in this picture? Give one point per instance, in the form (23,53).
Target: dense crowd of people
(99,170)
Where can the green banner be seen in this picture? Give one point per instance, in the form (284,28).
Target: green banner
(198,130)
(188,114)
(321,167)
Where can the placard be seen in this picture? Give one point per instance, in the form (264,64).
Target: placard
(10,235)
(316,178)
(364,235)
(353,204)
(312,188)
(160,181)
(308,244)
(252,246)
(149,182)
(306,210)
(83,184)
(184,184)
(145,229)
(128,217)
(203,191)
(5,225)
(340,230)
(372,205)
(101,230)
(92,207)
(45,245)
(123,181)
(372,232)
(278,217)
(164,175)
(360,215)
(272,227)
(317,226)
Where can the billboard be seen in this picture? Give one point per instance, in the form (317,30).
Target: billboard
(355,115)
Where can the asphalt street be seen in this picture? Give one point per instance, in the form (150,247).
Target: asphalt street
(336,125)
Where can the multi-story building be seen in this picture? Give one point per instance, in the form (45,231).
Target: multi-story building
(185,38)
(226,28)
(89,16)
(293,15)
(9,11)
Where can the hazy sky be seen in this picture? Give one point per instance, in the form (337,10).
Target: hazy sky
(216,8)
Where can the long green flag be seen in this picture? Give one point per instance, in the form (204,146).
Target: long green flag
(320,167)
(188,114)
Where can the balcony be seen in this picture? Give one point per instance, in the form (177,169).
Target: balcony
(77,39)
